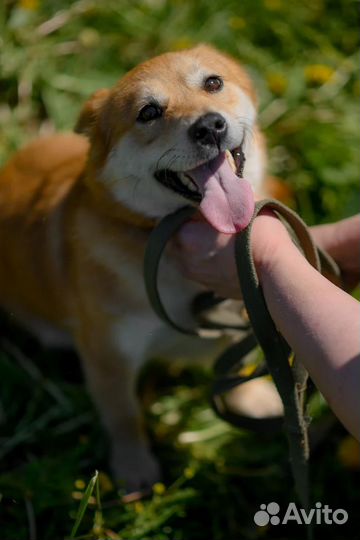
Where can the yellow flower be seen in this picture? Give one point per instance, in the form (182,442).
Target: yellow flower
(237,23)
(349,453)
(159,488)
(77,495)
(318,74)
(31,5)
(189,473)
(106,484)
(79,484)
(277,83)
(182,43)
(89,37)
(139,507)
(273,5)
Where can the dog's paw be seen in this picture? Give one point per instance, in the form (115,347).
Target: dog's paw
(135,467)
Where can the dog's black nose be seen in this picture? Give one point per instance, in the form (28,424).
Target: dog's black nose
(208,130)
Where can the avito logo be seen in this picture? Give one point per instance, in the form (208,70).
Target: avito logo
(319,515)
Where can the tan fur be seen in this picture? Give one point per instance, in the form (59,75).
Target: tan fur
(72,252)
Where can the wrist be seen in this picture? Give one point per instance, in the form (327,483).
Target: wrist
(270,241)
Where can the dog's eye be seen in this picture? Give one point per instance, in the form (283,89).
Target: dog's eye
(213,84)
(150,112)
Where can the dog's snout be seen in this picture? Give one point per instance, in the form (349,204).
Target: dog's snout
(210,129)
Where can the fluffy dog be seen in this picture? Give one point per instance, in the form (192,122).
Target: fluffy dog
(76,211)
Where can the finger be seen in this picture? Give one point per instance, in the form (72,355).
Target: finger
(197,237)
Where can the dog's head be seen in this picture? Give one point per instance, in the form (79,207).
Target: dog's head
(178,129)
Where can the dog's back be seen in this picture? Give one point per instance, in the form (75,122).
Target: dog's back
(34,185)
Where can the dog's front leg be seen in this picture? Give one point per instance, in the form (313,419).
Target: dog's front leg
(111,374)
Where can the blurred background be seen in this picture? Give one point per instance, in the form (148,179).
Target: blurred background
(303,58)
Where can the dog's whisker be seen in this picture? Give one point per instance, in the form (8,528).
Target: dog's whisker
(162,157)
(248,131)
(136,185)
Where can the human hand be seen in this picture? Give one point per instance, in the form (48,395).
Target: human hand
(342,241)
(207,256)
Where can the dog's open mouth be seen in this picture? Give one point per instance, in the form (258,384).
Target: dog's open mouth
(225,199)
(183,183)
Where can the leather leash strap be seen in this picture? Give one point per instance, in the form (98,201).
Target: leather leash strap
(289,377)
(158,239)
(290,381)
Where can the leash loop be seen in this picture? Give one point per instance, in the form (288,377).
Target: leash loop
(157,242)
(159,237)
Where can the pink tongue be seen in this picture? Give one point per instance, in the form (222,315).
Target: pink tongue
(228,201)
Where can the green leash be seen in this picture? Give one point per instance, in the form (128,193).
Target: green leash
(290,380)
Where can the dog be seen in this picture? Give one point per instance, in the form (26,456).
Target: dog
(76,211)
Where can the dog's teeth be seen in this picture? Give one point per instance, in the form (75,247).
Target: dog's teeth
(184,179)
(190,184)
(187,181)
(230,160)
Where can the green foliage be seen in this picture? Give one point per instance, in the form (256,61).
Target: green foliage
(303,57)
(215,476)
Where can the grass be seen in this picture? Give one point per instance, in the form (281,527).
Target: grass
(303,57)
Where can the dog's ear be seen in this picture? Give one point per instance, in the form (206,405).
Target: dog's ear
(90,111)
